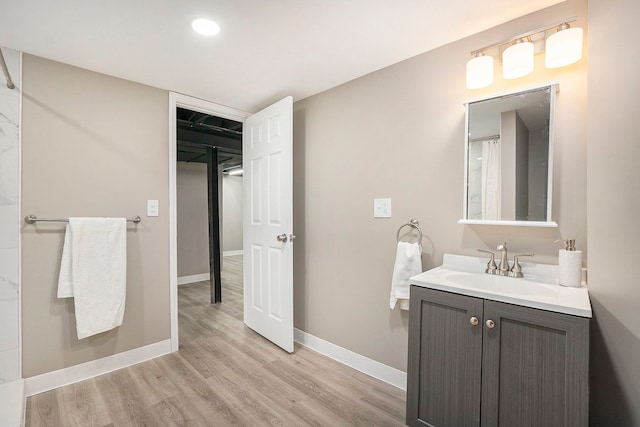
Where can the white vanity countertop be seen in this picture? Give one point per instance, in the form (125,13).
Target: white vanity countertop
(538,289)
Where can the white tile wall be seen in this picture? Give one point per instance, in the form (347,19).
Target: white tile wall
(9,221)
(9,365)
(8,315)
(8,274)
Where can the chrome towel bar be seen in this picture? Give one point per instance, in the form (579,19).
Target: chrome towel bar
(32,219)
(414,224)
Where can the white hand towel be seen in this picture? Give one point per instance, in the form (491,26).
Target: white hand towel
(65,286)
(93,270)
(408,264)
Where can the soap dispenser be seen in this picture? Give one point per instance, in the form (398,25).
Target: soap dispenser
(569,264)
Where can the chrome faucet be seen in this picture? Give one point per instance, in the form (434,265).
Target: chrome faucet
(516,270)
(491,265)
(503,269)
(504,262)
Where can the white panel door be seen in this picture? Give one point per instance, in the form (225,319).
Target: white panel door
(268,223)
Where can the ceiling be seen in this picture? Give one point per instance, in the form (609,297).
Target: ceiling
(196,131)
(266,49)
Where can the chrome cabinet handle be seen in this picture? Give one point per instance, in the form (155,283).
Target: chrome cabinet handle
(282,238)
(473,320)
(292,237)
(490,324)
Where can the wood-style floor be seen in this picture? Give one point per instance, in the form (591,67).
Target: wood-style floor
(224,374)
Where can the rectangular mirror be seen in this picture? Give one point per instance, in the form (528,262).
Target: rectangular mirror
(509,159)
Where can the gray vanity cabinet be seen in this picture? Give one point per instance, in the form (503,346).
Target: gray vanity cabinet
(476,362)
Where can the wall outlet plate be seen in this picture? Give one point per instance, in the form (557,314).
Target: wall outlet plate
(152,208)
(382,208)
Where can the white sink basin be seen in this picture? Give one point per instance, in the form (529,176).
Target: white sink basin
(501,285)
(538,289)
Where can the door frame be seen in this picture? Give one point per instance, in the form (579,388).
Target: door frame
(184,101)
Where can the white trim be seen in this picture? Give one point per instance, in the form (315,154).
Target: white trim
(12,403)
(465,206)
(232,253)
(19,225)
(84,371)
(179,100)
(185,280)
(208,107)
(173,223)
(554,84)
(554,89)
(378,370)
(550,149)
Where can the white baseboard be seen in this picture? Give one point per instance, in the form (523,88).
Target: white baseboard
(357,361)
(12,403)
(232,253)
(185,280)
(73,374)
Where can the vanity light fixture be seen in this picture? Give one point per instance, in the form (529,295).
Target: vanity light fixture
(517,59)
(479,71)
(205,27)
(562,47)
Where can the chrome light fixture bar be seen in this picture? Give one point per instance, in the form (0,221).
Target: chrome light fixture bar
(561,48)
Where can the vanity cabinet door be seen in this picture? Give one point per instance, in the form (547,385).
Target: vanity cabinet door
(535,367)
(445,357)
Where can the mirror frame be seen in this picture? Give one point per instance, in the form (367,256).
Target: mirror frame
(554,88)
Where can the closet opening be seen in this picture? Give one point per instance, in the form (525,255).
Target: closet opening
(209,196)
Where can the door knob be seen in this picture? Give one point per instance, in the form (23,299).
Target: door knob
(490,324)
(473,320)
(282,238)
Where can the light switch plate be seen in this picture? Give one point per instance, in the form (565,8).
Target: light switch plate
(152,208)
(382,208)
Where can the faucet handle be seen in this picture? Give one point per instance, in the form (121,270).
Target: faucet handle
(516,270)
(491,265)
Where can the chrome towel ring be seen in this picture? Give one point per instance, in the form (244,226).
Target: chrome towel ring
(414,224)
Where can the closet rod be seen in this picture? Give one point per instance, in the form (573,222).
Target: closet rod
(31,219)
(3,64)
(484,138)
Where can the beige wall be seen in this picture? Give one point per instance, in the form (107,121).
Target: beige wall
(232,209)
(399,133)
(93,145)
(613,211)
(193,218)
(96,145)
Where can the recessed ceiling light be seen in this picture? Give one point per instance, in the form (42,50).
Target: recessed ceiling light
(206,27)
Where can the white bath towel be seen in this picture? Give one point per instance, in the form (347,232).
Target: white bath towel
(93,271)
(408,264)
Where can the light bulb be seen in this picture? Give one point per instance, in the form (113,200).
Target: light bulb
(517,60)
(564,47)
(206,27)
(479,71)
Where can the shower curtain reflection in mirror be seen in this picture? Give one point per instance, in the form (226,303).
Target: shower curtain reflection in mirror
(484,179)
(491,179)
